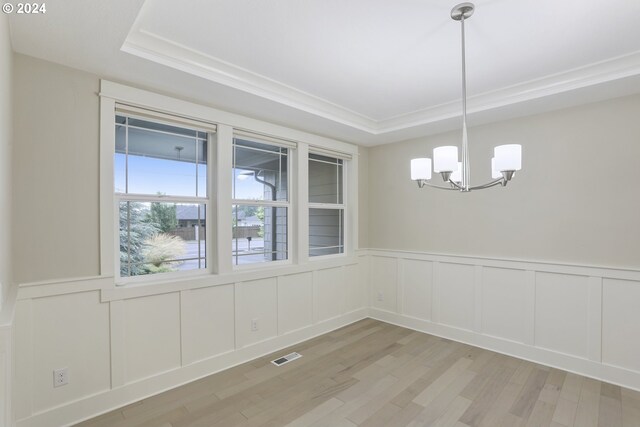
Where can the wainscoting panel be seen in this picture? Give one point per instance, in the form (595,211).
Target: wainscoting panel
(207,322)
(504,303)
(151,335)
(332,292)
(416,283)
(384,283)
(79,324)
(562,315)
(364,278)
(257,300)
(621,323)
(355,288)
(457,295)
(295,302)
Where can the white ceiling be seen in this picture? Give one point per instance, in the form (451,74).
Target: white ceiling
(367,71)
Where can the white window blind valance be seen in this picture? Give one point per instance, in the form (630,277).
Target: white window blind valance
(258,137)
(330,153)
(129,110)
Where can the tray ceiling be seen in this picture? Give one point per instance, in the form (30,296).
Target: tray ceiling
(368,71)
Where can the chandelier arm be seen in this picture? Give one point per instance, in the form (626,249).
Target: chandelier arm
(499,181)
(456,186)
(439,187)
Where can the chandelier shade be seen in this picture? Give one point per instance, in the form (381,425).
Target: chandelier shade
(420,168)
(507,159)
(445,159)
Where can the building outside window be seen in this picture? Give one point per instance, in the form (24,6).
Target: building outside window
(326,205)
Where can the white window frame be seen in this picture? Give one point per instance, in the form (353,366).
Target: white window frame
(291,152)
(157,117)
(219,215)
(331,206)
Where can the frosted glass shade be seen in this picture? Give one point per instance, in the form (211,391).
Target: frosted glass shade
(420,168)
(445,158)
(508,157)
(494,172)
(456,176)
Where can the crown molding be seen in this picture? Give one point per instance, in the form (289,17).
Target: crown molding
(166,52)
(158,49)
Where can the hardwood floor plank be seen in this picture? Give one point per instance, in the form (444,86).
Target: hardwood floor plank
(588,405)
(565,412)
(630,408)
(502,405)
(453,413)
(379,401)
(381,417)
(353,401)
(439,405)
(490,391)
(610,412)
(541,414)
(529,395)
(317,413)
(442,382)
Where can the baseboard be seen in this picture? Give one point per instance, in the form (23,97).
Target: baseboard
(600,371)
(92,406)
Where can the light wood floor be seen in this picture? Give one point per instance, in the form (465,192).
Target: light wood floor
(375,374)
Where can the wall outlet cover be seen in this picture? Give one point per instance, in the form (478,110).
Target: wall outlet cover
(60,377)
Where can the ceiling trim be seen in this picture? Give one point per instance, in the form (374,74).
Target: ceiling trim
(590,75)
(169,53)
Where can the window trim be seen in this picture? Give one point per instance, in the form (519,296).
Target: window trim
(219,183)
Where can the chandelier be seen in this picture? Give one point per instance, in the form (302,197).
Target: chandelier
(507,159)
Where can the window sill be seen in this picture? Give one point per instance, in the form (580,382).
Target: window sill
(148,288)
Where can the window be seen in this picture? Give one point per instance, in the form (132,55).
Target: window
(260,201)
(326,205)
(160,181)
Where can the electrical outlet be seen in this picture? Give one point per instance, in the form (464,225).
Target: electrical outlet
(380,297)
(60,377)
(254,325)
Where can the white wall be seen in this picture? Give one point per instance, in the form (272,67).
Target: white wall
(6,278)
(573,202)
(6,143)
(56,165)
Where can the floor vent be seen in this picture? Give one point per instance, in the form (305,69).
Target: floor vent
(286,359)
